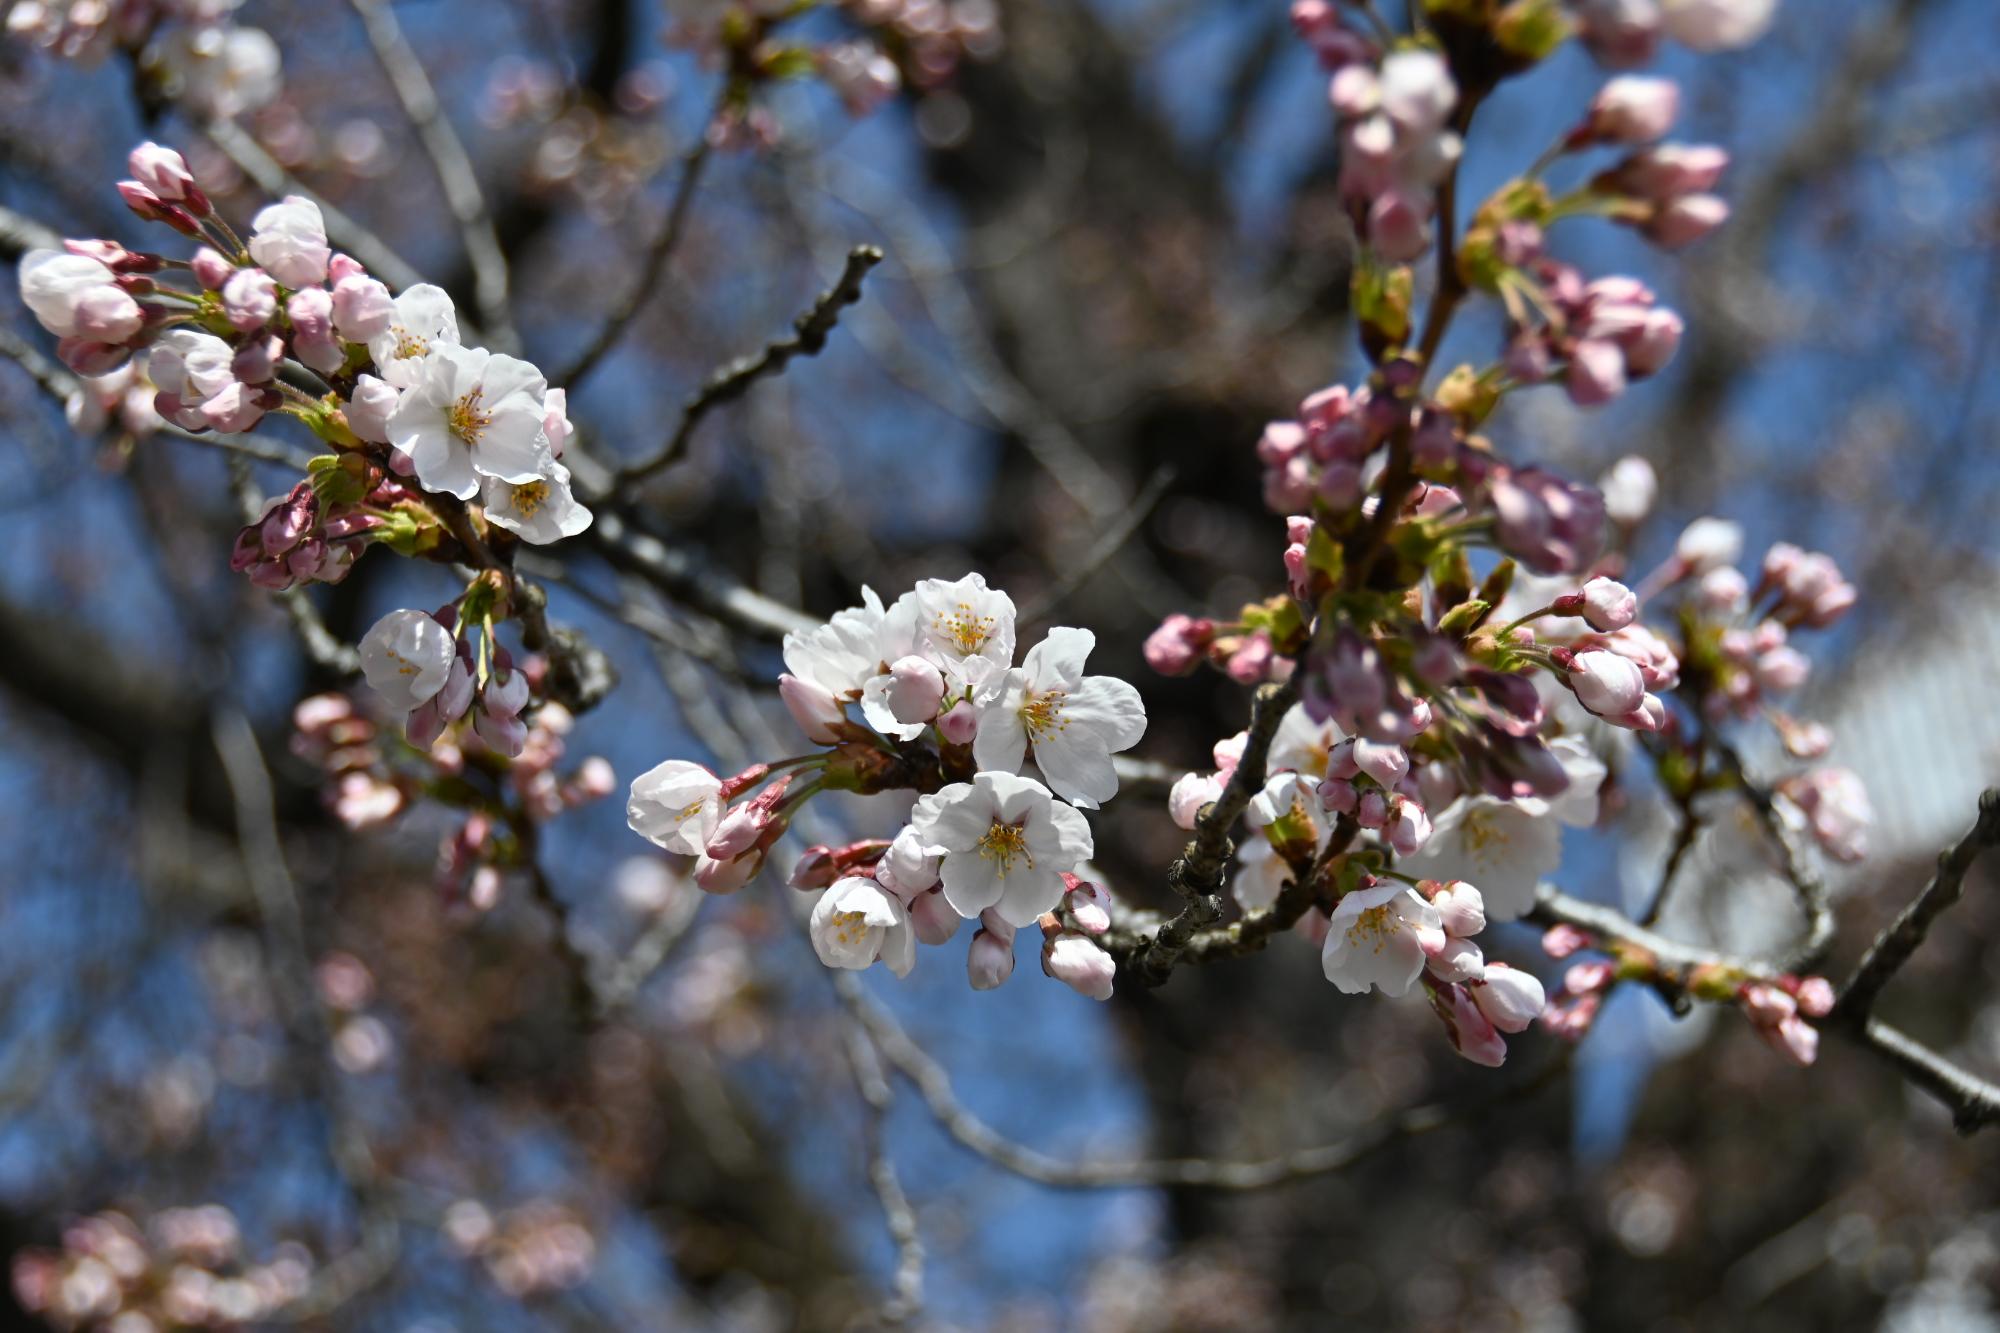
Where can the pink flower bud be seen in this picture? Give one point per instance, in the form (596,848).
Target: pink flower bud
(1634,110)
(1794,1038)
(715,876)
(1815,997)
(1089,906)
(1630,487)
(1251,662)
(249,299)
(1190,793)
(1588,978)
(342,267)
(1472,1033)
(1079,964)
(813,707)
(1563,940)
(1767,1006)
(211,269)
(1671,171)
(1607,684)
(1409,827)
(1510,998)
(1609,604)
(1783,668)
(1461,909)
(959,723)
(313,340)
(362,308)
(107,315)
(1385,763)
(1687,219)
(1596,372)
(165,172)
(1177,646)
(815,869)
(933,918)
(369,409)
(237,408)
(1340,796)
(1652,345)
(1372,810)
(1456,960)
(151,208)
(990,959)
(258,359)
(915,688)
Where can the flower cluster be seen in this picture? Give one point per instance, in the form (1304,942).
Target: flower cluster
(1468,660)
(1396,141)
(503,772)
(1623,33)
(533,1249)
(944,711)
(410,411)
(185,1269)
(194,49)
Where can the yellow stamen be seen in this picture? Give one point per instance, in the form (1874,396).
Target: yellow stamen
(466,419)
(850,927)
(530,497)
(965,631)
(1006,844)
(1374,924)
(1042,713)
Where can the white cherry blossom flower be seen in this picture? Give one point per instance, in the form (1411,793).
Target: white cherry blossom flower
(1505,847)
(1006,843)
(221,70)
(1074,722)
(407,658)
(424,318)
(967,628)
(857,921)
(1376,940)
(676,805)
(473,414)
(540,511)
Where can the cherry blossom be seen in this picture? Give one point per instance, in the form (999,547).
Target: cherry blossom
(1505,847)
(407,657)
(423,318)
(1074,723)
(472,414)
(289,240)
(540,511)
(1378,938)
(676,805)
(857,921)
(1005,843)
(968,630)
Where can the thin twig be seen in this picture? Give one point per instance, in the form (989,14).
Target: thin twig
(907,1290)
(809,334)
(289,967)
(1814,900)
(1973,1101)
(1196,875)
(453,165)
(641,290)
(933,1084)
(1901,938)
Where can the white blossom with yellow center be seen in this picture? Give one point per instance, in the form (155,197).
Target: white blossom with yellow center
(1005,843)
(424,319)
(857,921)
(676,806)
(407,658)
(967,628)
(1505,847)
(540,511)
(472,414)
(1377,940)
(1074,722)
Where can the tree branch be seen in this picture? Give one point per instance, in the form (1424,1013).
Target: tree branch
(452,164)
(732,381)
(1893,947)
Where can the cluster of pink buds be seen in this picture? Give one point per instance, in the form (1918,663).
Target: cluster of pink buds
(301,537)
(1834,804)
(1395,115)
(423,666)
(1609,333)
(1778,1010)
(184,1270)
